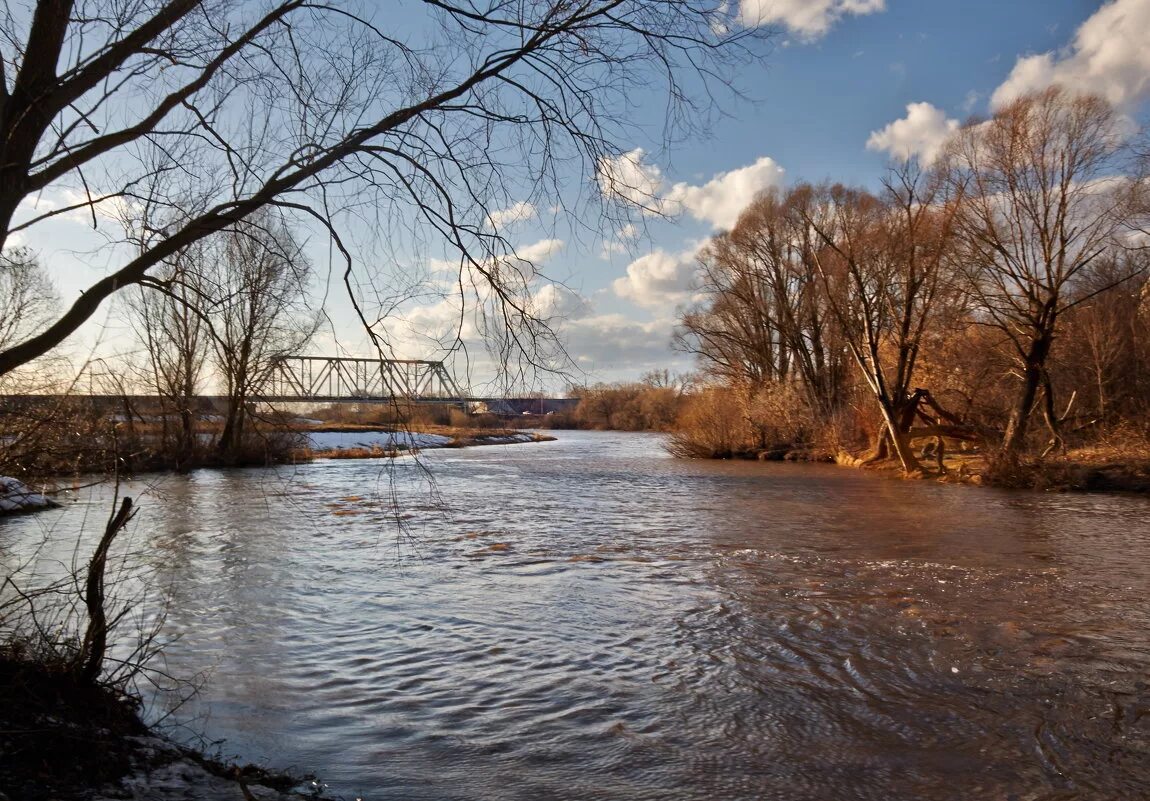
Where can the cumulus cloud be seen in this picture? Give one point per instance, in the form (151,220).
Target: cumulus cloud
(617,346)
(610,346)
(443,275)
(539,252)
(1109,56)
(81,206)
(628,177)
(611,247)
(553,301)
(922,133)
(808,19)
(721,200)
(658,280)
(421,331)
(517,212)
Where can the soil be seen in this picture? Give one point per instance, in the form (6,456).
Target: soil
(68,741)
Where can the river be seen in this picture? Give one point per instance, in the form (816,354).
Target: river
(591,619)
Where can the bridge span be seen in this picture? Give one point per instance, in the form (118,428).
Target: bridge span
(320,379)
(333,379)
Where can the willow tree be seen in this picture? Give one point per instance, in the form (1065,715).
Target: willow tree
(762,317)
(882,265)
(204,111)
(1047,192)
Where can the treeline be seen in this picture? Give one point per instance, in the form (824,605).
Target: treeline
(996,297)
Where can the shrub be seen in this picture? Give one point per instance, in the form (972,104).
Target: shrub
(711,425)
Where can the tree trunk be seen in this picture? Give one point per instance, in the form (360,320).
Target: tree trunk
(899,439)
(1014,439)
(90,660)
(232,433)
(187,435)
(881,448)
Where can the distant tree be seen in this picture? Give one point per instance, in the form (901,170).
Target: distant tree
(28,300)
(763,318)
(258,276)
(170,315)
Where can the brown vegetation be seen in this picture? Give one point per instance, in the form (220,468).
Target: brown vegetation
(1003,285)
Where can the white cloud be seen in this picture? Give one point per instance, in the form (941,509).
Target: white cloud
(425,331)
(539,252)
(555,301)
(719,201)
(612,248)
(38,204)
(443,275)
(922,133)
(1109,56)
(627,235)
(628,178)
(658,280)
(808,19)
(617,347)
(722,199)
(517,212)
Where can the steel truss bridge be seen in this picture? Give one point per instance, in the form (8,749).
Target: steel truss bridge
(330,379)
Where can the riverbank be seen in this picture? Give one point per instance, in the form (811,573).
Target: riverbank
(1085,470)
(142,451)
(68,741)
(368,442)
(1088,469)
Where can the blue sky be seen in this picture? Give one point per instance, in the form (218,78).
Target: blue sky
(849,84)
(830,87)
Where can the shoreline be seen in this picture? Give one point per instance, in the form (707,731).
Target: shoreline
(376,442)
(1082,471)
(33,493)
(67,740)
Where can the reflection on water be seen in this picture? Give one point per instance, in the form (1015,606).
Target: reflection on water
(589,619)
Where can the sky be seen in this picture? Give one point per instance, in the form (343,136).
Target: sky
(848,86)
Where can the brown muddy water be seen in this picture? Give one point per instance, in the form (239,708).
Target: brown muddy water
(590,619)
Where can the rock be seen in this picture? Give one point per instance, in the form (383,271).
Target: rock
(16,497)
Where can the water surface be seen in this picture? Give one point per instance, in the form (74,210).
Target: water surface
(590,619)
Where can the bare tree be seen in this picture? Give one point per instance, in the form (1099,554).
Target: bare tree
(212,109)
(762,318)
(28,301)
(882,267)
(259,279)
(1046,194)
(170,320)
